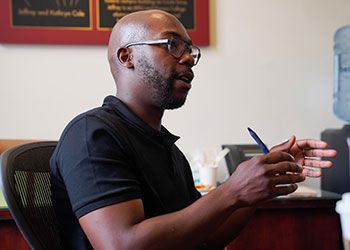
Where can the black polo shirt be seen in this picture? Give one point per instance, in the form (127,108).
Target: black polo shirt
(109,155)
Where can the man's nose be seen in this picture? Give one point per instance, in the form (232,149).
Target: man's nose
(187,58)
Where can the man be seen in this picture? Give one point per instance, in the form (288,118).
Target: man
(120,182)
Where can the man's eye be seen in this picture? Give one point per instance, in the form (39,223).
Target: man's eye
(173,44)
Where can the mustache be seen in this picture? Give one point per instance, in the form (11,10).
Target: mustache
(186,75)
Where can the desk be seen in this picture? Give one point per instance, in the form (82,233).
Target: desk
(10,236)
(295,223)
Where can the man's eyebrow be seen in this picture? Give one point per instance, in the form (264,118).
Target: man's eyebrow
(176,35)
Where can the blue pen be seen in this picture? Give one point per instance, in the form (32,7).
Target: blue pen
(260,143)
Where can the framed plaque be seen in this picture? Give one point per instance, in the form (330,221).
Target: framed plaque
(89,21)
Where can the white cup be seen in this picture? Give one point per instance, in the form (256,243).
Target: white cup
(343,209)
(208,175)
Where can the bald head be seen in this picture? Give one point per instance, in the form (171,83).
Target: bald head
(138,26)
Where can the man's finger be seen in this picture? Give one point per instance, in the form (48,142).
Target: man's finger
(278,156)
(287,179)
(320,152)
(317,163)
(286,166)
(312,173)
(284,190)
(311,143)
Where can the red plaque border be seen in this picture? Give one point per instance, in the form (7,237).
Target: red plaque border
(87,36)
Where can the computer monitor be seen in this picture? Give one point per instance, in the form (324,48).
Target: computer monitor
(239,153)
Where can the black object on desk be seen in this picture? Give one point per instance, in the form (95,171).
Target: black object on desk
(240,153)
(337,179)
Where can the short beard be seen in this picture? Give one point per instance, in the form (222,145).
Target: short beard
(160,86)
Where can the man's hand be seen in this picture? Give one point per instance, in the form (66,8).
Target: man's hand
(263,177)
(307,153)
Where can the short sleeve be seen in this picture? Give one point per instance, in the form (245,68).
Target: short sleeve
(94,167)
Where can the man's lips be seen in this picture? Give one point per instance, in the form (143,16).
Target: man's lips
(186,76)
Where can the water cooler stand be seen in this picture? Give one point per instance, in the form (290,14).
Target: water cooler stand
(337,179)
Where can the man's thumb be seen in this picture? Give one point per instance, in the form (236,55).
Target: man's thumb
(286,145)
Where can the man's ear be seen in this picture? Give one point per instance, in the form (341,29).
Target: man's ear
(125,57)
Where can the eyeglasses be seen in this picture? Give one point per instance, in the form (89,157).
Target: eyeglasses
(175,46)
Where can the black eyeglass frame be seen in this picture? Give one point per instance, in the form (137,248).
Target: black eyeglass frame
(189,47)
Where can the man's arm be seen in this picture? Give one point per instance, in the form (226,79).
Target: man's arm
(123,226)
(306,152)
(231,228)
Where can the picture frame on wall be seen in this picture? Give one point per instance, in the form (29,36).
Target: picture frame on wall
(89,21)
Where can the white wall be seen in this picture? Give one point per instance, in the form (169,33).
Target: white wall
(269,67)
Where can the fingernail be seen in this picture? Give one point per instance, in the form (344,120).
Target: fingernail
(301,168)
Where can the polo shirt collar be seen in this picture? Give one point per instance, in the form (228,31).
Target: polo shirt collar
(163,136)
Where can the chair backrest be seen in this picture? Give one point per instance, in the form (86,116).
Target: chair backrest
(9,143)
(25,176)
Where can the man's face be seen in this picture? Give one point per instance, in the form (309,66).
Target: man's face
(163,85)
(167,79)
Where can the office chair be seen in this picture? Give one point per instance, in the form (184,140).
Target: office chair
(9,143)
(25,176)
